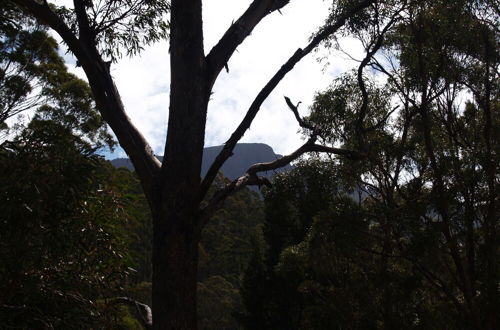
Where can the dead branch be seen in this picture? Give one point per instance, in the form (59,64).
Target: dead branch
(251,177)
(238,31)
(300,120)
(300,53)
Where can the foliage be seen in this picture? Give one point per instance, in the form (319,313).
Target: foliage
(419,248)
(63,246)
(274,273)
(33,76)
(330,276)
(217,298)
(225,249)
(138,227)
(226,240)
(123,25)
(126,320)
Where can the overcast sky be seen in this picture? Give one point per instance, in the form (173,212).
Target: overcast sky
(143,81)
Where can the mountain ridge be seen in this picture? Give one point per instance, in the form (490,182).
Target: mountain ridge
(244,156)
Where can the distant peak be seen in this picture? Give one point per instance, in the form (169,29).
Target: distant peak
(245,155)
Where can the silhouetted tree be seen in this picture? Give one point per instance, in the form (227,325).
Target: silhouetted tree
(94,32)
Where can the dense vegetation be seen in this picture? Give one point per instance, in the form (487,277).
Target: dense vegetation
(76,234)
(402,236)
(407,238)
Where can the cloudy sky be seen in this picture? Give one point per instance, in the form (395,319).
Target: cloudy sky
(143,81)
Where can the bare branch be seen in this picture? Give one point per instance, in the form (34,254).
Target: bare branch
(251,177)
(85,31)
(300,120)
(237,33)
(227,151)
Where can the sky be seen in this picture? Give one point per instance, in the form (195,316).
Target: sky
(143,81)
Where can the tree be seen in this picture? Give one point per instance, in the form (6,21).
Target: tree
(271,299)
(428,184)
(34,77)
(63,243)
(429,173)
(452,157)
(93,32)
(323,266)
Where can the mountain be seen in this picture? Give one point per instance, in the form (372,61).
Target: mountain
(244,156)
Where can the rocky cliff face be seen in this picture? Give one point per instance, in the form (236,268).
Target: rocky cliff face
(244,156)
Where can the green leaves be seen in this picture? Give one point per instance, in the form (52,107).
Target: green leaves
(417,247)
(34,77)
(121,26)
(62,240)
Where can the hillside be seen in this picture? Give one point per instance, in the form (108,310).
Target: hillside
(245,155)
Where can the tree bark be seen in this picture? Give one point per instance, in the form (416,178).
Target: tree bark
(176,204)
(175,262)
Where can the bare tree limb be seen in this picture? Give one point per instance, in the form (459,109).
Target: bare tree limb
(238,31)
(251,177)
(84,28)
(300,120)
(300,53)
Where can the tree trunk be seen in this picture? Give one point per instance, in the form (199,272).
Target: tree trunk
(175,261)
(176,201)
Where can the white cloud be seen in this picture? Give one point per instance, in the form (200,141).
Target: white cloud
(143,81)
(258,58)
